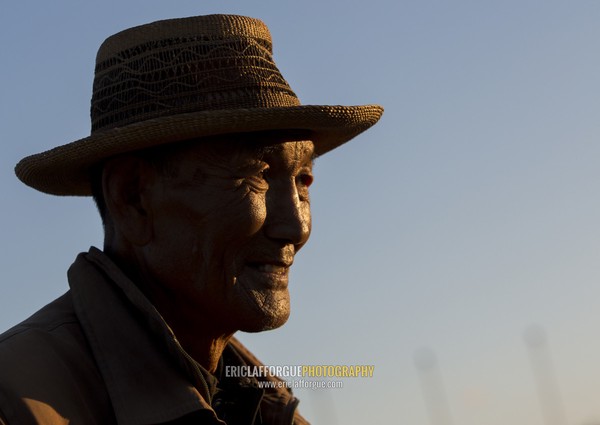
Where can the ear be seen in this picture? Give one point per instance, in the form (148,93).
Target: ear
(126,184)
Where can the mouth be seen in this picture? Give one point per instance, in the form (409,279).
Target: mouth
(268,273)
(270,268)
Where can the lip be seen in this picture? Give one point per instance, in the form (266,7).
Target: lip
(271,274)
(270,268)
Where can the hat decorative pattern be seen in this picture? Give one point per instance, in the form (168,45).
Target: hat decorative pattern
(186,74)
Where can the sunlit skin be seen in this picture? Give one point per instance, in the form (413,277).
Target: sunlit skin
(211,238)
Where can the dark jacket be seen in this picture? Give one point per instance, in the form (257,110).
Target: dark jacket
(102,354)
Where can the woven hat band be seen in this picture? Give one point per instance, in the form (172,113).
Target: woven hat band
(186,73)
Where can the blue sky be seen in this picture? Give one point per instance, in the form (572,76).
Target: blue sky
(467,215)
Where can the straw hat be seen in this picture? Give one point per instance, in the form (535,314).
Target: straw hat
(182,79)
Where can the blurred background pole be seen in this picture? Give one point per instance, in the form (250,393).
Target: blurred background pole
(323,405)
(432,386)
(544,376)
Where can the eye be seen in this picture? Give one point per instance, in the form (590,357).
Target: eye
(257,178)
(262,173)
(305,179)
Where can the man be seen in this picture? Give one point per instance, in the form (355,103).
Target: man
(200,160)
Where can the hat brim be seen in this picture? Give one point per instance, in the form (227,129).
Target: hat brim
(65,170)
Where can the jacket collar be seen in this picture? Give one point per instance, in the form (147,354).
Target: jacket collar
(133,346)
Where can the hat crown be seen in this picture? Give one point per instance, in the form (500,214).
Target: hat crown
(214,62)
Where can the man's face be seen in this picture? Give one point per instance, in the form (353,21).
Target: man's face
(228,218)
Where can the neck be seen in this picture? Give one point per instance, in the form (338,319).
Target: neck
(202,343)
(195,332)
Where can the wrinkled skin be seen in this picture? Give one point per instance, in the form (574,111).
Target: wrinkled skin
(213,235)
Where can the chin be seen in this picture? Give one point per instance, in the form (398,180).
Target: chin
(266,322)
(263,310)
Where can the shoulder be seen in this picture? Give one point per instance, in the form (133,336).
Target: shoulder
(47,368)
(51,333)
(53,315)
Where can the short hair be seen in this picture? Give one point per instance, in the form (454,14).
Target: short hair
(159,157)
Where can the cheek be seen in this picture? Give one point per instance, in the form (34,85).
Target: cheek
(244,217)
(199,241)
(257,214)
(225,230)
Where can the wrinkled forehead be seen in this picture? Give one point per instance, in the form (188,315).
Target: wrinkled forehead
(260,144)
(233,150)
(296,145)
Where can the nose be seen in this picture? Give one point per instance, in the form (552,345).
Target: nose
(288,217)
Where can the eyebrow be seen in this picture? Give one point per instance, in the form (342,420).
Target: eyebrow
(261,148)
